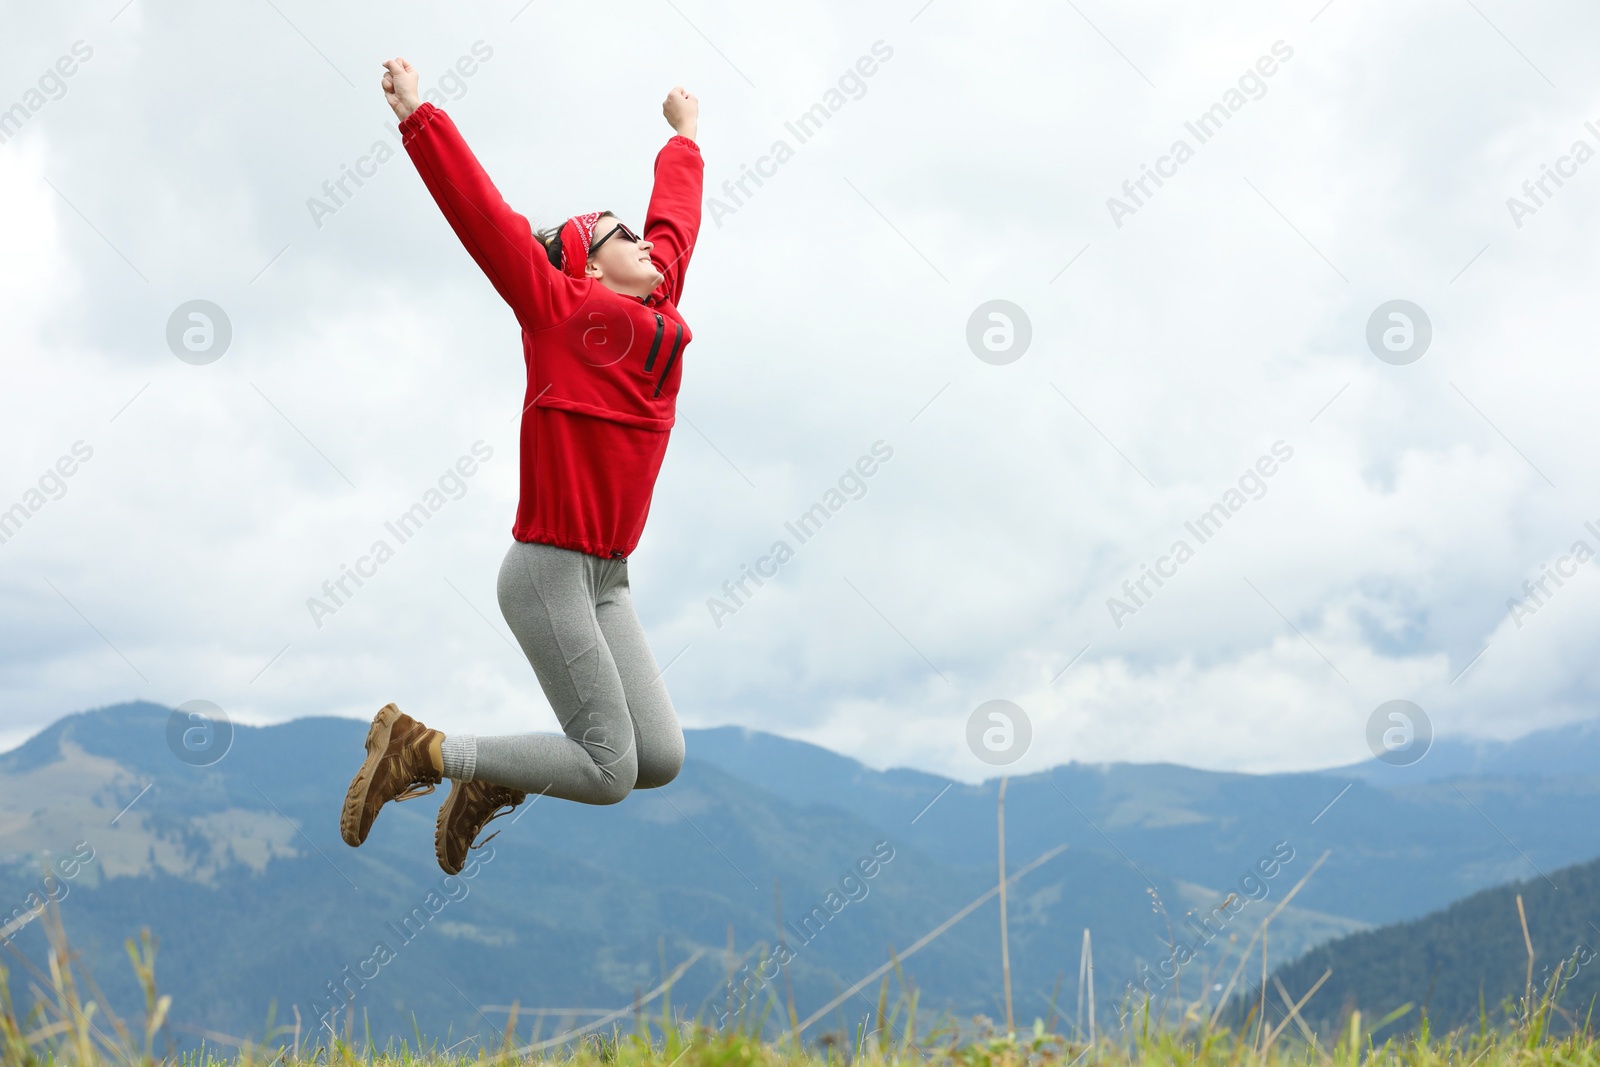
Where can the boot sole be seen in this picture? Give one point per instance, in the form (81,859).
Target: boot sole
(439,835)
(355,799)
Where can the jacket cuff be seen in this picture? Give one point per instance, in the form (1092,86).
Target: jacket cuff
(679,138)
(415,121)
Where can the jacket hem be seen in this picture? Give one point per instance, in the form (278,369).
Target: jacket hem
(576,544)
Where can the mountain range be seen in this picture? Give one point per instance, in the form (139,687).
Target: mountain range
(573,912)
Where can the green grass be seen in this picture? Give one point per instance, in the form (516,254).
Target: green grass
(71,1025)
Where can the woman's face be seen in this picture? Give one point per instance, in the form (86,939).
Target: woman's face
(620,264)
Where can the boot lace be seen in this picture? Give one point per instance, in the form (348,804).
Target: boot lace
(423,779)
(420,787)
(505,801)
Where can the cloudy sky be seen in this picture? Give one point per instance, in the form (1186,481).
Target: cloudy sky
(1176,338)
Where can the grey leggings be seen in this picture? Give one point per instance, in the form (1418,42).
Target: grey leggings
(572,613)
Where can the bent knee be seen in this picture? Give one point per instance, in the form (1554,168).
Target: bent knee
(614,789)
(660,766)
(658,775)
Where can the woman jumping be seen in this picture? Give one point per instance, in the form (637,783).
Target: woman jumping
(603,344)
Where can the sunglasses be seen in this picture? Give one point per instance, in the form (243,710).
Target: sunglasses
(619,228)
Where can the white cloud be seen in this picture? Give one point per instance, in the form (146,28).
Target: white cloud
(1220,318)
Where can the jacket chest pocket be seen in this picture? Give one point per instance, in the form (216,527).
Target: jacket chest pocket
(668,336)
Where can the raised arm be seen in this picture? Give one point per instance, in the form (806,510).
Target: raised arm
(499,239)
(673,220)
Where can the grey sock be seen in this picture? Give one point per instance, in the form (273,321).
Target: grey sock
(459,753)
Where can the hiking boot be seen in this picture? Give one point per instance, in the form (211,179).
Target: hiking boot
(397,767)
(465,812)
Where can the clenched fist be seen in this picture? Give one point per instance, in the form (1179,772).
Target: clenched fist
(682,109)
(400,87)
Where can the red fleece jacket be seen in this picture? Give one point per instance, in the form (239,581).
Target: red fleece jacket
(603,368)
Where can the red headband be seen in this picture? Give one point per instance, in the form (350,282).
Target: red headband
(576,233)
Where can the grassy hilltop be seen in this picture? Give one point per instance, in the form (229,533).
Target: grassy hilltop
(68,1023)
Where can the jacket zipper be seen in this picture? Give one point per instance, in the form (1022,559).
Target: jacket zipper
(672,357)
(655,346)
